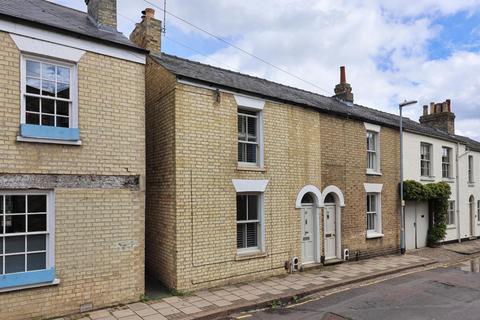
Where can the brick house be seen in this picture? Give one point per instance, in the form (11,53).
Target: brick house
(72,141)
(434,154)
(244,174)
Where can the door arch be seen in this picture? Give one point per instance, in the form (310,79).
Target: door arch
(333,201)
(309,201)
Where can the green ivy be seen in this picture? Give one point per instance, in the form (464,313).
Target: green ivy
(437,195)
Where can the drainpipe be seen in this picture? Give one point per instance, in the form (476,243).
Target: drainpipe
(457,187)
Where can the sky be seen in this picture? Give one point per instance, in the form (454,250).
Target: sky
(393,50)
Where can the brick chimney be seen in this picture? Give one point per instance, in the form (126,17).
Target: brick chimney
(103,13)
(343,90)
(440,116)
(147,34)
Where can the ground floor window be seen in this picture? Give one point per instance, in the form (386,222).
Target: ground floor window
(373,214)
(451,213)
(248,222)
(25,233)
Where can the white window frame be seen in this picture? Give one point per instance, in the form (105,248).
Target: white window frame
(374,189)
(471,172)
(73,119)
(50,233)
(260,248)
(451,213)
(428,161)
(447,163)
(374,130)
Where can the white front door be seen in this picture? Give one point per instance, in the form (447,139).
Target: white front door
(308,236)
(422,224)
(330,234)
(416,224)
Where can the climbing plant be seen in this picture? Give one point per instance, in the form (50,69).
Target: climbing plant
(437,195)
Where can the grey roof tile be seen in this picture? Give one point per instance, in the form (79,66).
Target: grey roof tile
(60,17)
(192,70)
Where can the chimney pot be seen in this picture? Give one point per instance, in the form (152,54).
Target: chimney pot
(449,105)
(343,76)
(149,13)
(425,110)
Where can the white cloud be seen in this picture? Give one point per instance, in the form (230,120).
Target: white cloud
(312,38)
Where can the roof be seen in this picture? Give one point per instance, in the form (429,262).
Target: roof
(51,15)
(243,83)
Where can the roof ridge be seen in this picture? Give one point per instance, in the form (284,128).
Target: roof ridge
(239,73)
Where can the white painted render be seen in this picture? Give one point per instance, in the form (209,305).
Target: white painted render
(411,162)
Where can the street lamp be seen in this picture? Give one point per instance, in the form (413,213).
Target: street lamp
(402,202)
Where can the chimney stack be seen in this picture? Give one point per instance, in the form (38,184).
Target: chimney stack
(343,90)
(440,117)
(103,13)
(147,34)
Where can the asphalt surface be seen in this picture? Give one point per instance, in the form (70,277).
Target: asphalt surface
(443,293)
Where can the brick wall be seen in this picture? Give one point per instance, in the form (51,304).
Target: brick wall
(90,223)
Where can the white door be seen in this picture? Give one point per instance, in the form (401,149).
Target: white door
(416,225)
(308,237)
(410,232)
(330,226)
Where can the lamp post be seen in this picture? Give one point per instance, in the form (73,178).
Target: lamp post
(402,202)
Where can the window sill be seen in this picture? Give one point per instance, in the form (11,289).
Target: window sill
(374,235)
(55,282)
(451,226)
(247,255)
(431,179)
(471,184)
(373,173)
(247,168)
(448,180)
(49,141)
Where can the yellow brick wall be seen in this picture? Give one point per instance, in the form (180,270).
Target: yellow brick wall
(89,222)
(302,147)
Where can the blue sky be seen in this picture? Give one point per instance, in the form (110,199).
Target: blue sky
(427,51)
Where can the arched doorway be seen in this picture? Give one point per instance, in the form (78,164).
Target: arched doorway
(308,200)
(473,216)
(333,201)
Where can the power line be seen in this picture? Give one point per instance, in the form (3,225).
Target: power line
(237,47)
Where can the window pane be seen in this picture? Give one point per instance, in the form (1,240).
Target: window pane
(15,264)
(241,207)
(62,108)
(63,122)
(1,206)
(242,127)
(32,104)
(251,153)
(242,152)
(48,121)
(15,244)
(48,106)
(32,118)
(252,235)
(63,90)
(252,129)
(37,203)
(33,86)
(37,222)
(14,224)
(63,74)
(36,243)
(252,207)
(15,204)
(36,261)
(373,203)
(48,88)
(1,265)
(1,247)
(33,69)
(48,71)
(240,236)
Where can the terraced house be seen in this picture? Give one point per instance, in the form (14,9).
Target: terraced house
(435,153)
(245,177)
(72,160)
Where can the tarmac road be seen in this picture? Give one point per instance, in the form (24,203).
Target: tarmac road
(443,293)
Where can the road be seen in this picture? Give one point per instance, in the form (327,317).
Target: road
(443,293)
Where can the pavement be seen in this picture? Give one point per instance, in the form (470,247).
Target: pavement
(443,293)
(221,302)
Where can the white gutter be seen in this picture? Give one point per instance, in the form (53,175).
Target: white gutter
(457,186)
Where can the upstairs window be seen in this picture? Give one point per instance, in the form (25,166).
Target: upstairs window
(248,222)
(49,100)
(248,138)
(470,170)
(373,164)
(425,160)
(446,162)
